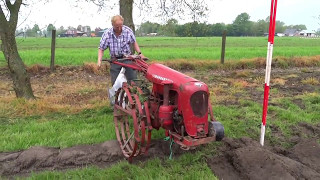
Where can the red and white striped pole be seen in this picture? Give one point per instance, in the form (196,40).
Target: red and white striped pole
(272,27)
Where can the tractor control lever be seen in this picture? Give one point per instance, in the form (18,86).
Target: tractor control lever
(125,59)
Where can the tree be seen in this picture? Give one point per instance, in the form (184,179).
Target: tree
(79,28)
(242,24)
(29,32)
(8,23)
(61,30)
(196,9)
(216,29)
(300,27)
(50,27)
(170,28)
(230,30)
(168,8)
(126,7)
(36,30)
(148,27)
(280,28)
(262,27)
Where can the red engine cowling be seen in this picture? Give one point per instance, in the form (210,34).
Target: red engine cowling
(165,116)
(186,94)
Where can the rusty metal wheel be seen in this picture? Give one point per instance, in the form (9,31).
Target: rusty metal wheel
(131,122)
(143,117)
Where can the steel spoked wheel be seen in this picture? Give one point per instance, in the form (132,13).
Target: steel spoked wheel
(142,109)
(131,123)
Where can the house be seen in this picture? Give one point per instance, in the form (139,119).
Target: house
(151,34)
(307,33)
(72,33)
(291,32)
(280,34)
(86,30)
(100,33)
(276,34)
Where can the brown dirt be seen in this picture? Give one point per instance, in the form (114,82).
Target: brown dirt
(236,159)
(39,158)
(245,159)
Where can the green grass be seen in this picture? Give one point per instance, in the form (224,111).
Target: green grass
(96,125)
(57,130)
(76,51)
(93,126)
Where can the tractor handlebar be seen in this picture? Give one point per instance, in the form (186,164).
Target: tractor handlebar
(138,63)
(129,58)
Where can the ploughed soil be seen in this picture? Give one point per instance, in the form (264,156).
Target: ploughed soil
(242,158)
(245,158)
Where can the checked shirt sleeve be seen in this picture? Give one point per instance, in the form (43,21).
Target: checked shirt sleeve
(132,38)
(104,41)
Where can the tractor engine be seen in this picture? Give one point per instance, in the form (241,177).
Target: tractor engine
(179,102)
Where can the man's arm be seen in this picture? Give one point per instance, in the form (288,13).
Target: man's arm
(100,55)
(103,46)
(136,47)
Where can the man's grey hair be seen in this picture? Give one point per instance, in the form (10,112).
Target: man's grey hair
(115,18)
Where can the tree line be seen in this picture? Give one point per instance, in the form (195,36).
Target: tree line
(241,26)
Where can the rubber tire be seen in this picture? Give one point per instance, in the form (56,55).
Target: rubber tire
(217,129)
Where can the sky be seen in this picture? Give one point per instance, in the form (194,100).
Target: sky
(66,13)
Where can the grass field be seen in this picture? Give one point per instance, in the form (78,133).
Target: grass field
(70,110)
(76,51)
(96,125)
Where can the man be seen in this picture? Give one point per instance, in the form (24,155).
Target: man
(118,40)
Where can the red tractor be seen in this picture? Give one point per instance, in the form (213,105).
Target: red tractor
(176,102)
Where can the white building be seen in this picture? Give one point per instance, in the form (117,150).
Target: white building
(307,33)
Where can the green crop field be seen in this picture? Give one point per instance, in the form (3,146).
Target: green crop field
(76,51)
(72,107)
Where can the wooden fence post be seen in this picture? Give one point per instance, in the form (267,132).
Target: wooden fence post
(223,48)
(53,49)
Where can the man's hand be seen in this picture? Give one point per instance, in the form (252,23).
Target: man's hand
(100,55)
(142,56)
(99,64)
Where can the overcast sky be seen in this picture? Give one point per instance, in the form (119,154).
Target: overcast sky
(64,13)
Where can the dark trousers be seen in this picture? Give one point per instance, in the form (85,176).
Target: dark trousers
(115,70)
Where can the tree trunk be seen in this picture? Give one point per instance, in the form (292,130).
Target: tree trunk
(21,80)
(126,7)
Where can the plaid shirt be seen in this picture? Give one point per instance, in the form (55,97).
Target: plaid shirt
(120,45)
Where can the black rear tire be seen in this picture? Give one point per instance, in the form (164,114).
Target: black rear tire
(216,129)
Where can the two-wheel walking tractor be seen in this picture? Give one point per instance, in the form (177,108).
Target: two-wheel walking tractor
(176,102)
